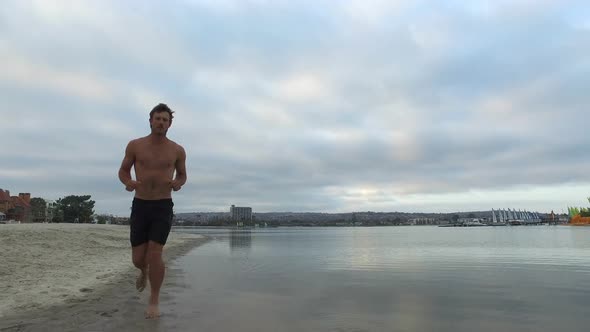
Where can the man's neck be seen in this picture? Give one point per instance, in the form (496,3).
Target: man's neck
(155,138)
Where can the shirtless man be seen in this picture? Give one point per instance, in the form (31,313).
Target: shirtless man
(155,159)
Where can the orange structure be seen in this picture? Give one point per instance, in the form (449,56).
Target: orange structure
(578,220)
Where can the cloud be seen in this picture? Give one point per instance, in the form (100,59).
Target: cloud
(36,76)
(303,87)
(373,12)
(301,106)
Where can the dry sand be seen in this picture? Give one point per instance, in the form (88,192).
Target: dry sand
(45,268)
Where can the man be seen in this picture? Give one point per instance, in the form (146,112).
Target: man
(155,159)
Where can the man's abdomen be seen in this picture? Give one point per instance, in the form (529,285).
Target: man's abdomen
(154,186)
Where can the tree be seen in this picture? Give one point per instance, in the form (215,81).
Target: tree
(455,217)
(76,208)
(38,207)
(58,215)
(102,218)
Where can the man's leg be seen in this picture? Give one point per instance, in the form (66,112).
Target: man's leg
(156,276)
(138,236)
(138,256)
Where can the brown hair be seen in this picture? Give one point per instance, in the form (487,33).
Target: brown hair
(162,108)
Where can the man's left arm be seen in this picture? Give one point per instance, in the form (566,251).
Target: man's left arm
(180,178)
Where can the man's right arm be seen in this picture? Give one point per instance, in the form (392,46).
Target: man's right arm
(125,169)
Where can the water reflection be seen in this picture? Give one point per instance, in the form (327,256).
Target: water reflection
(387,278)
(240,239)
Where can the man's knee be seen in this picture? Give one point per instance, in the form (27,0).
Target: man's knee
(154,253)
(154,257)
(139,261)
(138,256)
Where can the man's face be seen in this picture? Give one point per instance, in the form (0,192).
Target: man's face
(160,122)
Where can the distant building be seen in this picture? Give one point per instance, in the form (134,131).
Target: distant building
(422,221)
(44,215)
(240,214)
(16,207)
(5,201)
(22,207)
(50,211)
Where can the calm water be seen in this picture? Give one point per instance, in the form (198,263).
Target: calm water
(385,279)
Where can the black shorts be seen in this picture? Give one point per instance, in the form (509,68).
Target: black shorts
(150,221)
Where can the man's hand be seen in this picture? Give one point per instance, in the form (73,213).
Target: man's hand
(132,185)
(175,185)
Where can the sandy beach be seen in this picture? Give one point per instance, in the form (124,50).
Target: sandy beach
(69,273)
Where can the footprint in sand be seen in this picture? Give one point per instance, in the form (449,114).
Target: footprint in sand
(86,290)
(75,301)
(104,276)
(109,313)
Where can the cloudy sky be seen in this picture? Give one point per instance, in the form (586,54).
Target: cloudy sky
(331,106)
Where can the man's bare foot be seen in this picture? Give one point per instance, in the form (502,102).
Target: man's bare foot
(140,282)
(152,311)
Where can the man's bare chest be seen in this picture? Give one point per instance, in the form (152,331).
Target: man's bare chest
(154,159)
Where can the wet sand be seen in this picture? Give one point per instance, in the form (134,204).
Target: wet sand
(64,277)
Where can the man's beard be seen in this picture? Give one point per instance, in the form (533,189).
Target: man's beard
(157,131)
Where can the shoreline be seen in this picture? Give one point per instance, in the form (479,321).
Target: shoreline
(100,288)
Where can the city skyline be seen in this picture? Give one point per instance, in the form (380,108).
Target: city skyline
(303,106)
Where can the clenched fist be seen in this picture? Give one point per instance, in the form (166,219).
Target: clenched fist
(175,185)
(132,185)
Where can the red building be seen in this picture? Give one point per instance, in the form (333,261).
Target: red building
(5,201)
(15,207)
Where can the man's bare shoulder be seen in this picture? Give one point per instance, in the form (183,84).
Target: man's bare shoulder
(174,144)
(177,147)
(137,141)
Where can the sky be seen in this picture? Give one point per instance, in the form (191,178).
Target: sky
(303,106)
